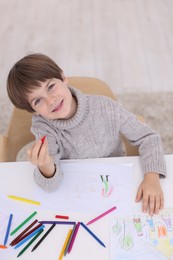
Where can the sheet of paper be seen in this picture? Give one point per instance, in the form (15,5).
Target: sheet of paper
(90,187)
(142,237)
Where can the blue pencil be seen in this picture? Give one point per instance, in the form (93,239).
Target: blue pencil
(28,237)
(8,229)
(92,234)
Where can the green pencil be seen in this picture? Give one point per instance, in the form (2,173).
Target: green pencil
(23,223)
(32,240)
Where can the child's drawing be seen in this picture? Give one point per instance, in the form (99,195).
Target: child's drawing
(155,233)
(107,188)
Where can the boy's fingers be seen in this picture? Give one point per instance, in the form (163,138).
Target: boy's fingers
(145,203)
(157,204)
(139,194)
(161,201)
(152,205)
(33,153)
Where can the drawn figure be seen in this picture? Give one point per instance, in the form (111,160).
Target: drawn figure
(162,232)
(150,223)
(117,228)
(138,226)
(126,240)
(168,222)
(107,189)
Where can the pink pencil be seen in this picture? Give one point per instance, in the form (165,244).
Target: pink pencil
(101,216)
(74,237)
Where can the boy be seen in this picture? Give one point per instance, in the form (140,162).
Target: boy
(77,126)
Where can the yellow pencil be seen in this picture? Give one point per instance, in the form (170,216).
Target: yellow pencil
(65,244)
(23,199)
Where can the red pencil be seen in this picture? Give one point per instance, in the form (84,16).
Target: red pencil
(61,216)
(43,138)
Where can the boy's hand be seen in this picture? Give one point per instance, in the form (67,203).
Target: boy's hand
(151,193)
(38,155)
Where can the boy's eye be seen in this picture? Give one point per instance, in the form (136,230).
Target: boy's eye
(50,87)
(37,101)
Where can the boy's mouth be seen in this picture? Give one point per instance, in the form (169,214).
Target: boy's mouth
(58,107)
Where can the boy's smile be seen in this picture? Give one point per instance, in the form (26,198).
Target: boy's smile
(53,100)
(58,107)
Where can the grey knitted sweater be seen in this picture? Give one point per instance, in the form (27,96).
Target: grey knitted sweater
(94,132)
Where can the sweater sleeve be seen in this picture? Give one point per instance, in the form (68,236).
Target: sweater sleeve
(149,142)
(39,129)
(49,184)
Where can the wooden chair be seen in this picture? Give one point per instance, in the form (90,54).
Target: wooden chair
(18,133)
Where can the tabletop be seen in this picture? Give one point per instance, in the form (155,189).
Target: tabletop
(17,179)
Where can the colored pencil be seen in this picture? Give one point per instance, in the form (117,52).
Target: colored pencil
(27,234)
(92,234)
(101,216)
(32,240)
(43,237)
(28,237)
(73,237)
(65,244)
(3,247)
(70,238)
(43,139)
(23,200)
(8,229)
(23,223)
(62,217)
(57,222)
(23,232)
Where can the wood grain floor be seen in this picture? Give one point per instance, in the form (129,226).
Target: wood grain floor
(127,43)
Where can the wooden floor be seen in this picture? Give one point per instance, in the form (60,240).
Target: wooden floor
(127,43)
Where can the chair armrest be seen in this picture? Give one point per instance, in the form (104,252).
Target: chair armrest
(3,148)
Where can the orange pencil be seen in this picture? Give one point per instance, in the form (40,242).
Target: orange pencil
(3,247)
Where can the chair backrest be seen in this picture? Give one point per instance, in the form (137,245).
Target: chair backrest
(18,133)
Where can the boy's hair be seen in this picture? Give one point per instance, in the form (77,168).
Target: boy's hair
(27,74)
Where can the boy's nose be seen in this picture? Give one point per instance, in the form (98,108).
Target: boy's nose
(49,101)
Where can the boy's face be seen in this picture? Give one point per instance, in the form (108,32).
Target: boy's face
(53,100)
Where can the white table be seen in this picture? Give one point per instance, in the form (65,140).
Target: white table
(19,176)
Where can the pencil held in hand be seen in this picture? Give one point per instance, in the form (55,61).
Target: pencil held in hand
(43,139)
